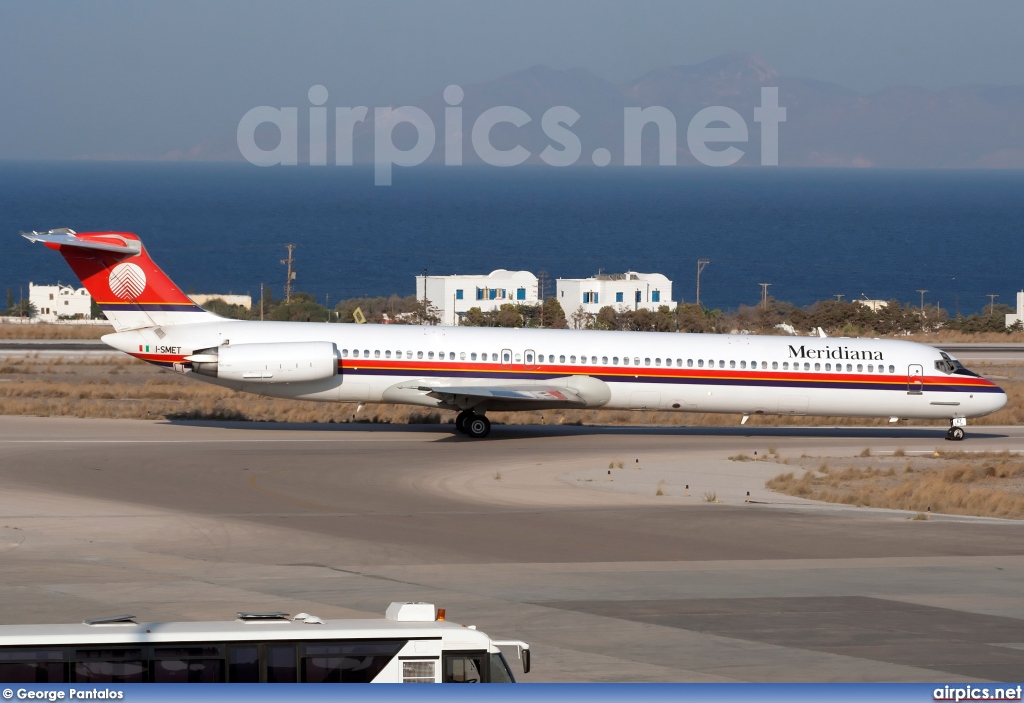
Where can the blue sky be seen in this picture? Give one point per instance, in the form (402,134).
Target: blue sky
(126,78)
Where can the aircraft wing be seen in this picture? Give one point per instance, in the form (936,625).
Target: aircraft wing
(507,394)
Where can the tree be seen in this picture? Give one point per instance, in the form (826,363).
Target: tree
(474,317)
(692,318)
(581,319)
(554,316)
(607,319)
(236,312)
(508,316)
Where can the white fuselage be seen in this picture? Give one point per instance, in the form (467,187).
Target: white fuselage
(745,374)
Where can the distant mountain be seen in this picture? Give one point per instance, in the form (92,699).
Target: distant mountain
(827,125)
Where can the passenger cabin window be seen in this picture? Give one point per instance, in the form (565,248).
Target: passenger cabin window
(743,364)
(387,354)
(355,353)
(572,359)
(689,363)
(561,358)
(860,367)
(732,364)
(892,369)
(419,355)
(472,356)
(700,363)
(430,355)
(376,353)
(647,362)
(604,360)
(344,353)
(775,365)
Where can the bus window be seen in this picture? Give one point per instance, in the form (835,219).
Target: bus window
(32,666)
(500,672)
(110,666)
(244,664)
(280,662)
(188,670)
(347,662)
(464,668)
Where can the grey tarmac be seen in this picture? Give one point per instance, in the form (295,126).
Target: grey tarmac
(525,534)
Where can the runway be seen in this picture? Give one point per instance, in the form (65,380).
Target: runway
(513,534)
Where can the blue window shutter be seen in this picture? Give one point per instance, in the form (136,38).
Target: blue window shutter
(656,296)
(521,294)
(458,294)
(618,297)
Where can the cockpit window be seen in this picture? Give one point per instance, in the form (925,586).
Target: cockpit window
(950,365)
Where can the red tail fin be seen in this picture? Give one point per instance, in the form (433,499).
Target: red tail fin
(129,288)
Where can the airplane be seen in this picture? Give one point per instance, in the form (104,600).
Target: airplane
(475,370)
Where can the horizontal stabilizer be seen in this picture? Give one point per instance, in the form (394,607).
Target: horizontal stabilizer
(69,238)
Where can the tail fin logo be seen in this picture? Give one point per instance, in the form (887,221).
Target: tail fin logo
(127,281)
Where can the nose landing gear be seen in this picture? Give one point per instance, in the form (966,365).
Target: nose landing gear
(955,433)
(469,423)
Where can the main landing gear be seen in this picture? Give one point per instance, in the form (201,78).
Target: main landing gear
(955,433)
(473,425)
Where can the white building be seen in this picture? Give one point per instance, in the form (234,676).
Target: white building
(872,305)
(55,302)
(454,295)
(1011,320)
(622,291)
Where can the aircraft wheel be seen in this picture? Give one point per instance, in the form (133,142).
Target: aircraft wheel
(461,419)
(478,427)
(956,434)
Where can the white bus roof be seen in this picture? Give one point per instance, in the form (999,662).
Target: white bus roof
(125,631)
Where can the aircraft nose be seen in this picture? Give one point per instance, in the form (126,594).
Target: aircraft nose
(996,400)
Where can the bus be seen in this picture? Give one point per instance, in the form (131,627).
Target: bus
(413,643)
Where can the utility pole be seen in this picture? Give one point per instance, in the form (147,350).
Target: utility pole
(327,300)
(291,274)
(992,303)
(922,292)
(542,282)
(261,301)
(839,296)
(764,294)
(701,263)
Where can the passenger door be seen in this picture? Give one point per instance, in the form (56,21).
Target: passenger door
(915,379)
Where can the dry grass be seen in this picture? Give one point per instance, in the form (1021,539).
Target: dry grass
(44,331)
(741,457)
(985,485)
(661,488)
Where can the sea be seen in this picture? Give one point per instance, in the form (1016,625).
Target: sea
(811,234)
